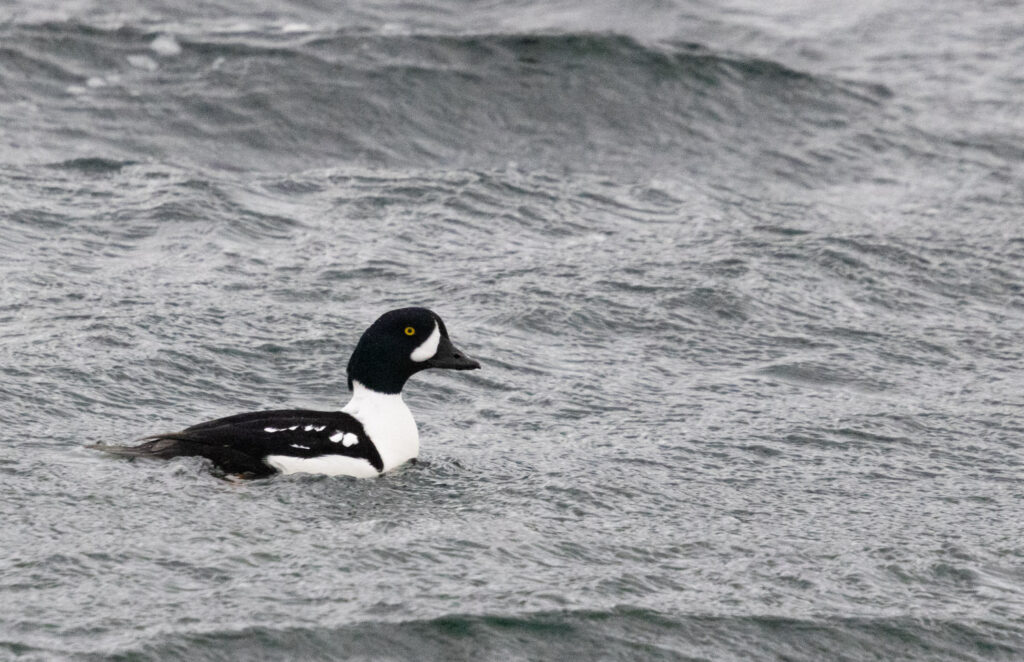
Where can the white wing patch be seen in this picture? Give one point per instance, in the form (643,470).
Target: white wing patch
(299,446)
(328,465)
(272,430)
(346,438)
(428,347)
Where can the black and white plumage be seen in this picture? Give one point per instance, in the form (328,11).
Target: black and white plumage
(374,433)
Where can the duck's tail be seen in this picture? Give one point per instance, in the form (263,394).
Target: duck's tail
(157,445)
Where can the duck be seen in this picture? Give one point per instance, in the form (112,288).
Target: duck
(371,435)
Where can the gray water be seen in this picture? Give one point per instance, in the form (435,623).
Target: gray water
(745,280)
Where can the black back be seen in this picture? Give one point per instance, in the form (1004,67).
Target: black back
(239,444)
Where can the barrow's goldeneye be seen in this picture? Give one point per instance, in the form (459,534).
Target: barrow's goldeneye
(374,433)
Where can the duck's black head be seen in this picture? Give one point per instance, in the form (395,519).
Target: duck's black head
(398,345)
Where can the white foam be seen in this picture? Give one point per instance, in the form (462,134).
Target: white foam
(143,62)
(165,45)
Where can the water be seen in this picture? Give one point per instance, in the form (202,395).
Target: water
(745,282)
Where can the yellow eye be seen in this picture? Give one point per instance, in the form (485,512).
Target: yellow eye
(409,331)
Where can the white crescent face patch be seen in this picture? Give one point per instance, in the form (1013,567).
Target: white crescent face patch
(428,347)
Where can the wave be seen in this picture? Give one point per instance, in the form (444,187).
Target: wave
(622,633)
(97,166)
(276,101)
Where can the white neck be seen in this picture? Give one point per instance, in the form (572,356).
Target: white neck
(388,422)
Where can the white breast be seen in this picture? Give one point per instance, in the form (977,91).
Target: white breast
(388,422)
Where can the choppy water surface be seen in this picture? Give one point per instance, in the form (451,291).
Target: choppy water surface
(745,281)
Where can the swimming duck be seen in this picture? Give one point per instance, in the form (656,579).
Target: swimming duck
(371,435)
